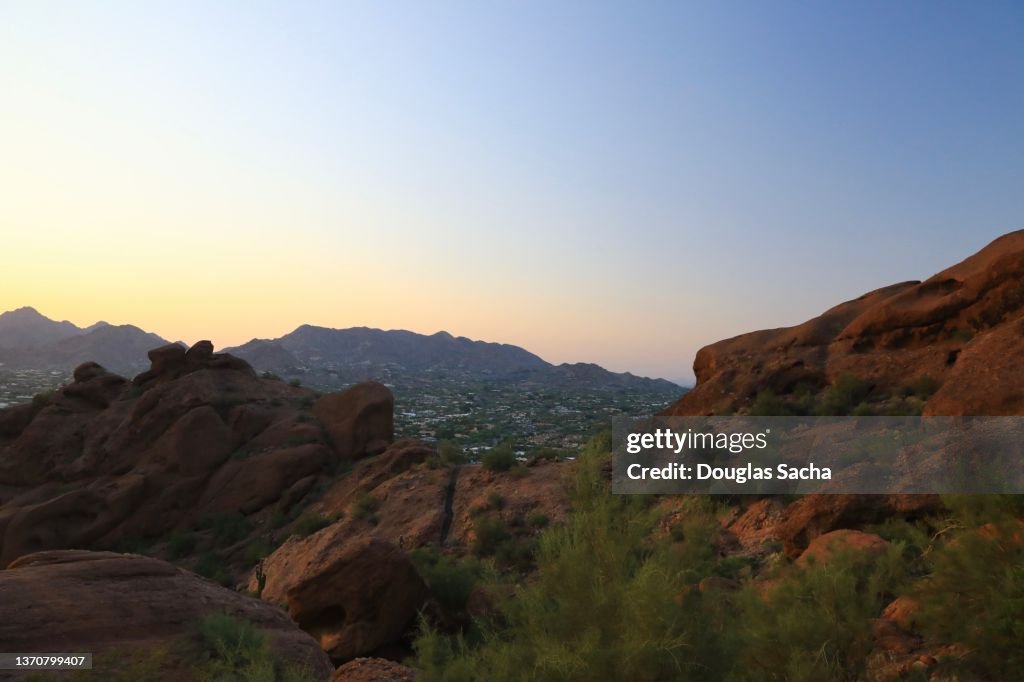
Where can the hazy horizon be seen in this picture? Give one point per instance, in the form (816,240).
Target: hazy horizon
(592,182)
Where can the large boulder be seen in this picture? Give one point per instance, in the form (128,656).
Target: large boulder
(814,515)
(354,600)
(825,548)
(359,420)
(106,603)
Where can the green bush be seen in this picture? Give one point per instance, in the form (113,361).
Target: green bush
(500,458)
(450,453)
(180,544)
(213,566)
(495,500)
(974,593)
(537,520)
(41,400)
(600,606)
(922,387)
(365,508)
(815,624)
(257,550)
(863,410)
(227,528)
(490,532)
(767,404)
(962,334)
(229,649)
(309,523)
(840,399)
(217,648)
(450,581)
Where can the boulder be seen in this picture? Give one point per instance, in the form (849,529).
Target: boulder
(358,418)
(107,603)
(373,670)
(825,547)
(814,515)
(355,600)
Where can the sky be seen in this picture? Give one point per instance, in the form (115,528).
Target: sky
(619,183)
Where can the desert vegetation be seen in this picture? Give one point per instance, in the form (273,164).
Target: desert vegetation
(615,597)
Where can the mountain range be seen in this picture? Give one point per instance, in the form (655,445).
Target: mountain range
(361,353)
(30,340)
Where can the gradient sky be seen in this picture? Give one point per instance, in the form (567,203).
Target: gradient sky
(619,183)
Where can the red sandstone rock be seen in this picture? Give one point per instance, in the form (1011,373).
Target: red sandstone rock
(101,602)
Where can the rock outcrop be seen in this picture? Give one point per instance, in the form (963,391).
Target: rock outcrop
(961,332)
(350,583)
(105,461)
(126,605)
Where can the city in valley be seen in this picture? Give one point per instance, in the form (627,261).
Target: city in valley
(473,413)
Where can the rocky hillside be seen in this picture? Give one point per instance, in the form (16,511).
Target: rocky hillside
(954,344)
(106,460)
(296,497)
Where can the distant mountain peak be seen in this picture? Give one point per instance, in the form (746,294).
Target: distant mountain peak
(30,340)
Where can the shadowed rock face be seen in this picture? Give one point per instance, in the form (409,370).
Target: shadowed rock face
(105,459)
(102,602)
(963,328)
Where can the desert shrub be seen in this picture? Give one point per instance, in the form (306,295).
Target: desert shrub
(546,455)
(767,404)
(519,470)
(450,453)
(490,532)
(962,334)
(500,458)
(451,581)
(840,399)
(295,383)
(908,406)
(213,566)
(922,387)
(495,500)
(863,410)
(537,520)
(516,554)
(309,523)
(41,400)
(257,550)
(180,544)
(975,597)
(227,528)
(600,605)
(229,649)
(815,623)
(270,375)
(365,508)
